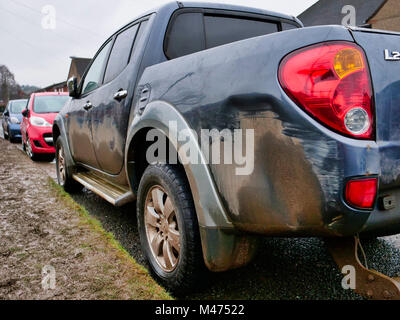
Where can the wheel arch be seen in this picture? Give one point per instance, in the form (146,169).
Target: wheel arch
(223,248)
(158,115)
(58,130)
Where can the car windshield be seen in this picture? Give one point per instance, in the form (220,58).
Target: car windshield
(17,106)
(49,104)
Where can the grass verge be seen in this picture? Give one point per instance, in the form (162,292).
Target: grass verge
(135,281)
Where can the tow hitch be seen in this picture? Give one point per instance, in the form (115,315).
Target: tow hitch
(369,283)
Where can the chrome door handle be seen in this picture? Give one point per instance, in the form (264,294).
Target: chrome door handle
(87,106)
(121,94)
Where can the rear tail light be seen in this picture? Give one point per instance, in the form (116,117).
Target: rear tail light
(361,193)
(331,82)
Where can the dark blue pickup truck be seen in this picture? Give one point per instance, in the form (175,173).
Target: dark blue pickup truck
(315,111)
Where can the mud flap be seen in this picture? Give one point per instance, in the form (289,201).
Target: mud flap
(369,283)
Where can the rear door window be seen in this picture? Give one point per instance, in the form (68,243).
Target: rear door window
(139,35)
(120,53)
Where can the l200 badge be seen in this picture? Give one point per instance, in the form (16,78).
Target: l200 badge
(392,56)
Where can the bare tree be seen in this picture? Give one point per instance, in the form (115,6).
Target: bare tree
(9,89)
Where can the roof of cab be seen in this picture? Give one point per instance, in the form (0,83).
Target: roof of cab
(174,5)
(222,6)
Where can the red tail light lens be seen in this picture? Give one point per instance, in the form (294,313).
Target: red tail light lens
(331,82)
(361,193)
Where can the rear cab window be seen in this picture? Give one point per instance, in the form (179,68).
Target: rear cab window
(191,30)
(221,30)
(288,26)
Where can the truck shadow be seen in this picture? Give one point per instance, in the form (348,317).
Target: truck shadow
(296,268)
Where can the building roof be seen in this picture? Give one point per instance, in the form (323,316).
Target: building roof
(81,64)
(52,87)
(58,84)
(326,12)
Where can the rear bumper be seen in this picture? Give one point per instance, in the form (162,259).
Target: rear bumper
(384,219)
(371,159)
(41,139)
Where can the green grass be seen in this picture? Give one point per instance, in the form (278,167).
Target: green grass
(141,285)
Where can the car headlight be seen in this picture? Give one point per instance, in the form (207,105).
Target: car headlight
(14,120)
(39,122)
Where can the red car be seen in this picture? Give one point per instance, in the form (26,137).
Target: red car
(36,126)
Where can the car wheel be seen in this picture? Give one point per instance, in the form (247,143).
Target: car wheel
(5,134)
(10,137)
(29,151)
(168,228)
(64,174)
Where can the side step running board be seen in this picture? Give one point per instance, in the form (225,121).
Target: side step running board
(370,284)
(113,193)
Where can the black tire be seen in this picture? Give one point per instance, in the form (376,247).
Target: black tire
(190,265)
(65,180)
(10,137)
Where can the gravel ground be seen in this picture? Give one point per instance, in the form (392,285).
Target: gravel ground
(43,230)
(283,269)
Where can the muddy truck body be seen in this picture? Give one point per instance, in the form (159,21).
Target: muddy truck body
(323,103)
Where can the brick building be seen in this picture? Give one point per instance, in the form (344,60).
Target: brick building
(56,87)
(76,69)
(376,14)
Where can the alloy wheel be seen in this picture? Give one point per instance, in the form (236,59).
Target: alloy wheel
(28,147)
(61,164)
(162,228)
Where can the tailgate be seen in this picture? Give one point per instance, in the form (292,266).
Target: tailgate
(385,74)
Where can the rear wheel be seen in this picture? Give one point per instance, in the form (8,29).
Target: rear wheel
(64,174)
(168,228)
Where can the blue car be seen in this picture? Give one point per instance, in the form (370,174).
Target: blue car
(12,118)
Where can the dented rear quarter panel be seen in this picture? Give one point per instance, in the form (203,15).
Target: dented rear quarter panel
(296,188)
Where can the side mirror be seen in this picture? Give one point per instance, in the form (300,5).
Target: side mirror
(25,113)
(72,85)
(6,114)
